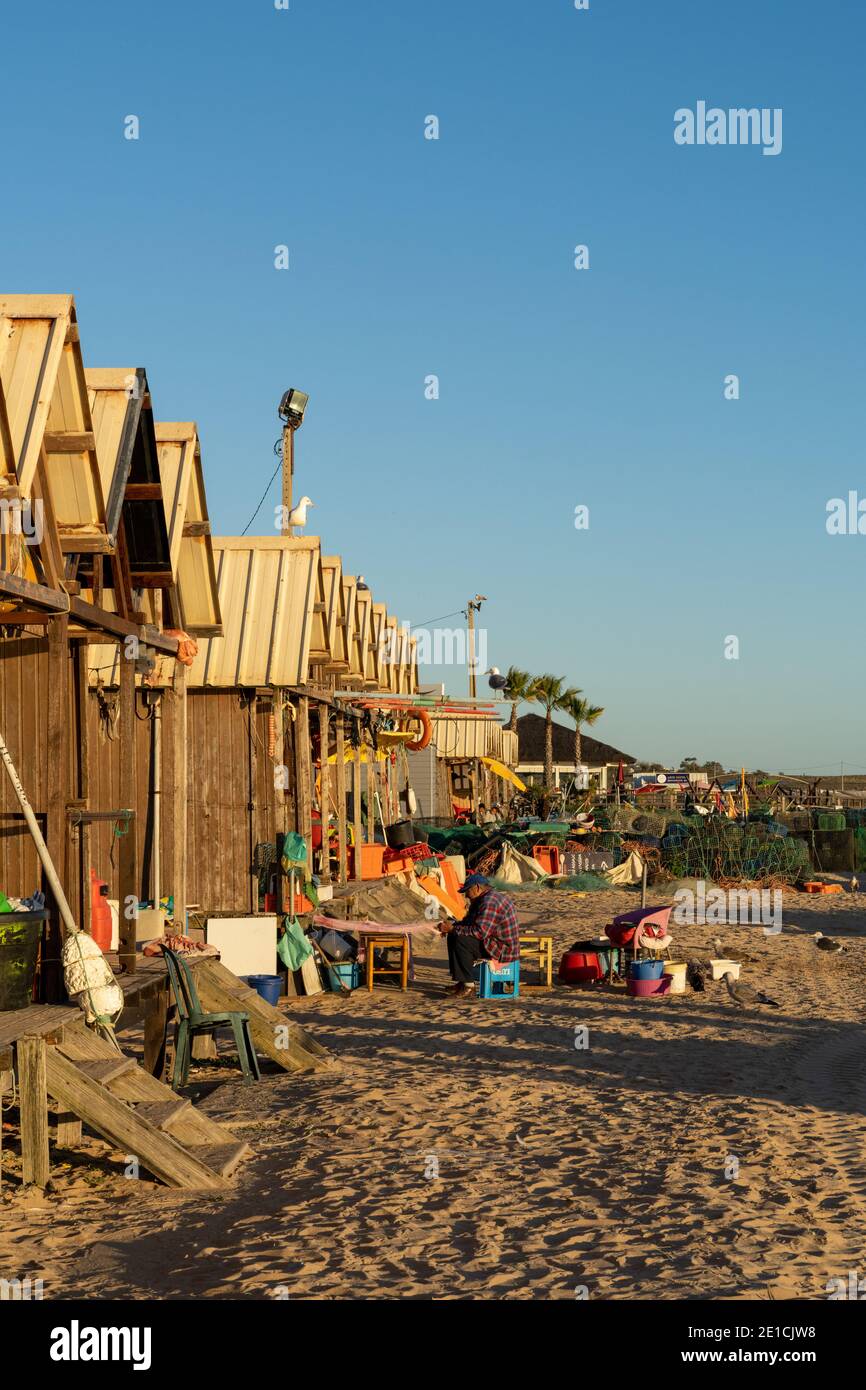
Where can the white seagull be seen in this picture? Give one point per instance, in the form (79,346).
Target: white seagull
(298,514)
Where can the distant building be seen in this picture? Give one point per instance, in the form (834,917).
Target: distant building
(601,759)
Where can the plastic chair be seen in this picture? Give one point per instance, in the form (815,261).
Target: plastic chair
(193,1022)
(497,980)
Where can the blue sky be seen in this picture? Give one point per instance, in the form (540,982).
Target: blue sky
(558,387)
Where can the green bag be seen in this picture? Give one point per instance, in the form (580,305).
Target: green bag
(293,948)
(294,850)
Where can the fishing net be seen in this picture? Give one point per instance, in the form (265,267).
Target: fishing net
(719,849)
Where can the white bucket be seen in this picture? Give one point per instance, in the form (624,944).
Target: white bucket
(677,971)
(721,967)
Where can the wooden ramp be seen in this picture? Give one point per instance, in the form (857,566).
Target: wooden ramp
(139,1115)
(273,1033)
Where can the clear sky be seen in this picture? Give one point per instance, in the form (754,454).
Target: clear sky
(410,257)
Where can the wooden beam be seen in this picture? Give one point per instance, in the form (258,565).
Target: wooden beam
(33,1102)
(303,789)
(52,600)
(325,791)
(196,528)
(143,492)
(357,825)
(68,442)
(342,857)
(90,616)
(128,858)
(56,794)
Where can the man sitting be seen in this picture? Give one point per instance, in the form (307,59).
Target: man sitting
(489,931)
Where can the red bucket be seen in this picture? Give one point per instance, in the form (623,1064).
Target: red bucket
(578,967)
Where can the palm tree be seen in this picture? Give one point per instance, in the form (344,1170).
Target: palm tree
(516,685)
(549,691)
(582,712)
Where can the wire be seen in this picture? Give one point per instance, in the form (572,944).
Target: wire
(263,496)
(458,612)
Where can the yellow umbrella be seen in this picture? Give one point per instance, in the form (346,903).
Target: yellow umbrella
(502,771)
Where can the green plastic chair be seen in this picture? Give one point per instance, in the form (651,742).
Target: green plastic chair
(193,1022)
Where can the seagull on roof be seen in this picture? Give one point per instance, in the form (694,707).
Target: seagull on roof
(361,583)
(826,943)
(497,680)
(298,514)
(745,994)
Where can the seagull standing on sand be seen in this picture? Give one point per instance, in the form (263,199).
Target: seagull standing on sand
(745,994)
(826,943)
(298,514)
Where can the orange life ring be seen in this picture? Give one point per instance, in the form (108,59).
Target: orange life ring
(419,716)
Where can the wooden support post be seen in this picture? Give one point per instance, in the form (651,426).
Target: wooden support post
(155,1018)
(304,766)
(357,823)
(33,1100)
(128,857)
(252,803)
(371,797)
(341,802)
(67,1130)
(174,794)
(83,775)
(325,787)
(57,791)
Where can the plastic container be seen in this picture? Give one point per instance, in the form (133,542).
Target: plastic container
(646,969)
(547,856)
(19,948)
(333,944)
(645,989)
(400,834)
(677,971)
(100,912)
(580,967)
(343,972)
(268,986)
(720,968)
(371,861)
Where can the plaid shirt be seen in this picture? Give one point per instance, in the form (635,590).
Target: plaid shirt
(493,919)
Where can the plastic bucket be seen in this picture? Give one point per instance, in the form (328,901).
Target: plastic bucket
(268,986)
(643,989)
(720,968)
(677,971)
(646,969)
(19,947)
(343,972)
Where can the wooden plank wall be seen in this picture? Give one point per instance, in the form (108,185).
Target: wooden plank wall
(233,743)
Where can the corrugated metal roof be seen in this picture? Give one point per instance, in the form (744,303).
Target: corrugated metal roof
(267,589)
(46,406)
(190,544)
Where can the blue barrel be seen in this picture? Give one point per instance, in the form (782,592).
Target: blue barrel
(646,969)
(268,986)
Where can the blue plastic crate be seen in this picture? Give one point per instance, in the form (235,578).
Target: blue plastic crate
(493,979)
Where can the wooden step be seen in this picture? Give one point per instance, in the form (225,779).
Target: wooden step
(106,1071)
(161,1114)
(221,1158)
(125,1129)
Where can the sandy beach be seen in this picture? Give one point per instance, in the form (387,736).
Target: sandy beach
(466,1149)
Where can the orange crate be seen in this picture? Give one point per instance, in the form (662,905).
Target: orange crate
(371,861)
(548,857)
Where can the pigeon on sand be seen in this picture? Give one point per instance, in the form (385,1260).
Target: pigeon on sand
(745,994)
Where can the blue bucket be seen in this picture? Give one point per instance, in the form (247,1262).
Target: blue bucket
(268,986)
(344,972)
(646,969)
